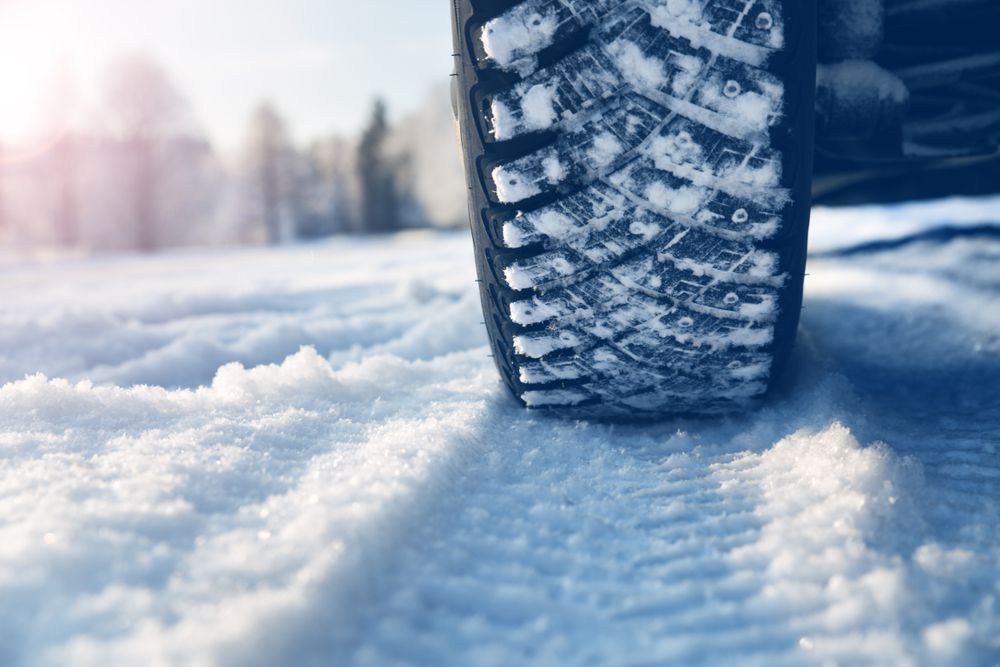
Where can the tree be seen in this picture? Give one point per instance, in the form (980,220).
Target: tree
(377,176)
(433,178)
(332,211)
(3,223)
(144,110)
(342,197)
(269,154)
(60,100)
(67,215)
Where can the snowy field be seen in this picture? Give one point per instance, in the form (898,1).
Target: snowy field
(304,456)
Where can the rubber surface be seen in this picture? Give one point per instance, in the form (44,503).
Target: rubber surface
(639,180)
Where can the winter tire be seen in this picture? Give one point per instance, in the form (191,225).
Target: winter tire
(639,179)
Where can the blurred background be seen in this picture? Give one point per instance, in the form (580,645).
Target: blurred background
(146,125)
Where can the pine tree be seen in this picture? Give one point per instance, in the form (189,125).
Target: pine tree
(377,179)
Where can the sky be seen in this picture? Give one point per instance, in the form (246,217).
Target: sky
(320,61)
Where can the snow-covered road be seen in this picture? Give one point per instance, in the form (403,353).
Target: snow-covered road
(322,469)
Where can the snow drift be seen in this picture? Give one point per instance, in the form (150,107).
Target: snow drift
(304,456)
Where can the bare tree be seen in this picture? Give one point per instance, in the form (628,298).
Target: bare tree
(3,219)
(62,168)
(269,156)
(377,176)
(144,110)
(342,190)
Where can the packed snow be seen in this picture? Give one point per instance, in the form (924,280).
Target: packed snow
(685,19)
(513,39)
(304,456)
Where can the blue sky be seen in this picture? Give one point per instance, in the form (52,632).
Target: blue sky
(320,61)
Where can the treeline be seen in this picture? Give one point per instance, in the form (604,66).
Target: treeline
(142,176)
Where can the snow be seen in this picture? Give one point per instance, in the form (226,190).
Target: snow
(536,111)
(749,112)
(513,186)
(676,200)
(605,149)
(554,170)
(853,82)
(537,106)
(683,18)
(512,40)
(645,73)
(835,228)
(303,456)
(503,120)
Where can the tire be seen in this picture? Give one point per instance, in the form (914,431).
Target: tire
(639,183)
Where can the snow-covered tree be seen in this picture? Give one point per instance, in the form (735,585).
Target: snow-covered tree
(58,109)
(333,193)
(66,213)
(143,111)
(269,159)
(435,174)
(379,205)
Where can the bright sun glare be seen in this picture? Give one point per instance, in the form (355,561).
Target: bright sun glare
(41,50)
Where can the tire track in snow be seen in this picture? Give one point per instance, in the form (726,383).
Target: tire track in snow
(737,552)
(394,506)
(765,545)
